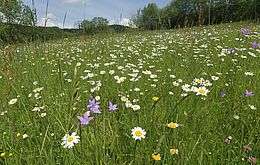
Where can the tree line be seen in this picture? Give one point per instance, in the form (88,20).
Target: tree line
(16,12)
(187,13)
(96,25)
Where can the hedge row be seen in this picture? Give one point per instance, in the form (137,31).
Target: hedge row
(12,33)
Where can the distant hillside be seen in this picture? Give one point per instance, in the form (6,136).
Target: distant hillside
(115,28)
(14,33)
(120,28)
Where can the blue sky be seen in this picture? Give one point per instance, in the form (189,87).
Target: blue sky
(110,9)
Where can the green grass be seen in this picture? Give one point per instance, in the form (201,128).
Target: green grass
(64,68)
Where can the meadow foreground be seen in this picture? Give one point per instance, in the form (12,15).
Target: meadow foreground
(186,96)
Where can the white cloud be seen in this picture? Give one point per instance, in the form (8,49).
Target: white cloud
(124,21)
(52,21)
(75,2)
(51,16)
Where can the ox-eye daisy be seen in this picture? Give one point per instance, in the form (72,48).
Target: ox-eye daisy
(12,101)
(138,133)
(135,107)
(69,140)
(202,91)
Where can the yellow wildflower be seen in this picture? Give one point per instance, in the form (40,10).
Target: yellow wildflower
(156,156)
(155,98)
(173,125)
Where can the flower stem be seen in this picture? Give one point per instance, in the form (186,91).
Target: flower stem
(135,150)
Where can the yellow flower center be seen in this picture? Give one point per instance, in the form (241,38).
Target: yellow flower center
(69,139)
(138,133)
(202,91)
(173,125)
(174,151)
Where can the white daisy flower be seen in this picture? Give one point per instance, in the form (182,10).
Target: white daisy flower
(12,101)
(138,133)
(202,91)
(252,107)
(175,83)
(214,78)
(25,136)
(69,140)
(136,107)
(186,87)
(38,89)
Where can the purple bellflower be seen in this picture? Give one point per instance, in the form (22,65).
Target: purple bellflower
(249,93)
(252,160)
(254,44)
(222,94)
(112,107)
(85,119)
(93,106)
(245,31)
(230,50)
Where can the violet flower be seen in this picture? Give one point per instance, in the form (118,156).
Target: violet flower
(85,120)
(222,94)
(252,160)
(93,106)
(245,31)
(254,44)
(112,107)
(230,50)
(249,93)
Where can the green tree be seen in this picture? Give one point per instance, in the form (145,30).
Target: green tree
(16,12)
(12,10)
(151,17)
(148,18)
(186,13)
(96,25)
(27,16)
(137,19)
(99,24)
(87,27)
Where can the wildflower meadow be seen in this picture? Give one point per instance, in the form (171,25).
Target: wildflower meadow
(183,96)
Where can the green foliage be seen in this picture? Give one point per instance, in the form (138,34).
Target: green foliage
(95,26)
(14,33)
(187,13)
(147,18)
(16,12)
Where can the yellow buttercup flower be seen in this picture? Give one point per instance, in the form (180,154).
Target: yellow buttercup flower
(155,98)
(156,156)
(18,134)
(2,154)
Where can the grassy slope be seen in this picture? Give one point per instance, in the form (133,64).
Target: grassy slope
(205,122)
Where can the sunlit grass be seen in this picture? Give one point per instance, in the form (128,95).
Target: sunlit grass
(182,87)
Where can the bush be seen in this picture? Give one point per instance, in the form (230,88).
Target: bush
(13,33)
